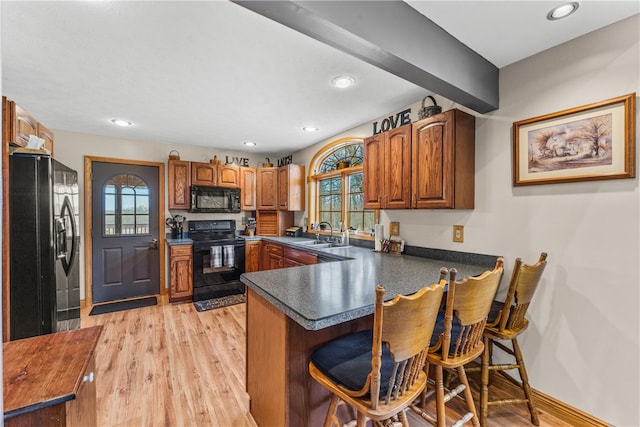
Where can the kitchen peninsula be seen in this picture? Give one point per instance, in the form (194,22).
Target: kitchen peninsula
(292,311)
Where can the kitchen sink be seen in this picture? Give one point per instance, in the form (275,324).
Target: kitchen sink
(319,244)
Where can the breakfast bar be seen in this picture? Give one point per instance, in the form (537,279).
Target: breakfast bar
(292,311)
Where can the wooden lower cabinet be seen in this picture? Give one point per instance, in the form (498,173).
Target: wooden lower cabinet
(281,391)
(252,256)
(50,380)
(272,256)
(295,257)
(181,273)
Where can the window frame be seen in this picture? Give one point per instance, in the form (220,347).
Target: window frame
(314,179)
(121,182)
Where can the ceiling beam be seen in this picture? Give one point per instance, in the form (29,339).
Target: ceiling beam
(393,36)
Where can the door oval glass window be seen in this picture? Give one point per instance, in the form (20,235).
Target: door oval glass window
(126,206)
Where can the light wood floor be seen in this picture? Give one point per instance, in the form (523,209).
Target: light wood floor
(169,365)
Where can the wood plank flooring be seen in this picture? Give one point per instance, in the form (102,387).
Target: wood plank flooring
(169,365)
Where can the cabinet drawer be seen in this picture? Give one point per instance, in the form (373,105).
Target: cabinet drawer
(300,256)
(181,250)
(274,249)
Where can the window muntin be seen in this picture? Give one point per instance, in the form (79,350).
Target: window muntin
(359,218)
(330,200)
(345,156)
(337,187)
(126,206)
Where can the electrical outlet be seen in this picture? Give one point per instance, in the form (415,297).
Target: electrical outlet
(458,233)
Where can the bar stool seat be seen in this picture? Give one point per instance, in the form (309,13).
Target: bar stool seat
(380,372)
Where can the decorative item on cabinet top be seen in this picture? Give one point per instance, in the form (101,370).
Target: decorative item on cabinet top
(215,160)
(266,164)
(429,111)
(174,155)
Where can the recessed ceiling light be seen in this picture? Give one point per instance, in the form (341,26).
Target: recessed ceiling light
(342,82)
(562,11)
(249,143)
(309,129)
(121,122)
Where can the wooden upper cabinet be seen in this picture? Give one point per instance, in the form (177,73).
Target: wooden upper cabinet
(228,176)
(18,125)
(48,137)
(25,125)
(443,155)
(397,168)
(291,188)
(248,189)
(179,184)
(373,168)
(203,174)
(267,188)
(387,169)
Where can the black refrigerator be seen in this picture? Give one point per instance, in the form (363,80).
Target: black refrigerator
(44,246)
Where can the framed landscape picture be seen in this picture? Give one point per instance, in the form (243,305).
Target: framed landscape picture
(592,142)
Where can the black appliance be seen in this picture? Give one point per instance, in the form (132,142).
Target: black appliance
(44,246)
(214,199)
(218,259)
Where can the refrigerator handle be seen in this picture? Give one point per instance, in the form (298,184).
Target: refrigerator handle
(67,210)
(61,238)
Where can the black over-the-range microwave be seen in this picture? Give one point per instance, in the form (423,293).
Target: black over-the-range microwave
(206,199)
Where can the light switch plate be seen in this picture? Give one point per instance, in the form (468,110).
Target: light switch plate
(458,233)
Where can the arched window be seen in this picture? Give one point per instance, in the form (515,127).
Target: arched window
(336,187)
(126,206)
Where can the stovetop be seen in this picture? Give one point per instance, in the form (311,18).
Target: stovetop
(215,230)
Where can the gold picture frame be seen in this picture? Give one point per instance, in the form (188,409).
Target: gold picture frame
(591,142)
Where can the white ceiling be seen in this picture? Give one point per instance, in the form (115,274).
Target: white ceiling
(216,74)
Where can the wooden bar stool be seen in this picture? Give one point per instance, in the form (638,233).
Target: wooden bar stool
(380,372)
(457,338)
(507,321)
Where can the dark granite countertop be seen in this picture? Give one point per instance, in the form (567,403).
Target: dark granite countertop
(329,293)
(181,241)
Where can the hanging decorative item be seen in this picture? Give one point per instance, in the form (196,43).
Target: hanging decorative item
(430,110)
(174,155)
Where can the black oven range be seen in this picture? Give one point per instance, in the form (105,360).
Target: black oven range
(218,258)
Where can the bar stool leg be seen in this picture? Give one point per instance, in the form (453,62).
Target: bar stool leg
(484,378)
(525,382)
(462,375)
(331,412)
(440,411)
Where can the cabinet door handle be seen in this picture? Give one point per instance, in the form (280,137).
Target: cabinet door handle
(88,378)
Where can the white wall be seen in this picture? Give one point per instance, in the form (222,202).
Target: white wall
(582,345)
(71,148)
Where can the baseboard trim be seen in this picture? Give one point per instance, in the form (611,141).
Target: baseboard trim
(565,412)
(552,406)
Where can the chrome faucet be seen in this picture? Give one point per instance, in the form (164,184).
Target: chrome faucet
(330,228)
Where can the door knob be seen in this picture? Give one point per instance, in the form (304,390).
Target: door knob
(154,242)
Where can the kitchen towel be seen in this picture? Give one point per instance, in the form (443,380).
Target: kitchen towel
(228,255)
(378,235)
(215,256)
